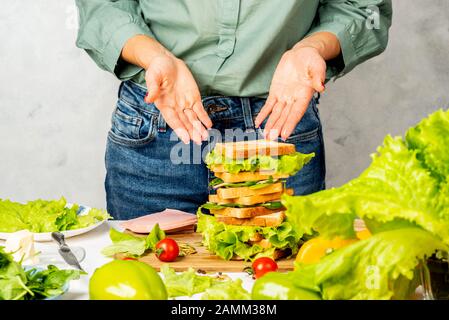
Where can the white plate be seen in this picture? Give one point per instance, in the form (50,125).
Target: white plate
(46,236)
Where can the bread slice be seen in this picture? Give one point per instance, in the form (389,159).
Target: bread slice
(269,220)
(246,149)
(243,213)
(215,198)
(251,200)
(231,193)
(248,176)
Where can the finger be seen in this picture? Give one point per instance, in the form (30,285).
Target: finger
(265,111)
(173,120)
(187,124)
(283,119)
(318,85)
(275,114)
(296,113)
(154,88)
(202,114)
(189,118)
(193,135)
(198,129)
(318,78)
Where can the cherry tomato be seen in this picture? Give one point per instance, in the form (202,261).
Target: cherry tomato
(263,265)
(167,250)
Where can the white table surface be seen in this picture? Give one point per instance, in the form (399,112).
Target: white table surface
(93,242)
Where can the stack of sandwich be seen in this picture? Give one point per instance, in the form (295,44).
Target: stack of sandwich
(244,217)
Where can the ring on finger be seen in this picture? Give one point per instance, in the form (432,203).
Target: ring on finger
(289,101)
(187,108)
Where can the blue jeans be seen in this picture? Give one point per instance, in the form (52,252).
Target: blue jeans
(141,177)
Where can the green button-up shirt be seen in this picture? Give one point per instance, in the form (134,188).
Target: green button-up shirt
(232,47)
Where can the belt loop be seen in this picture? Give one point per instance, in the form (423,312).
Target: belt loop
(317,98)
(119,93)
(247,114)
(161,124)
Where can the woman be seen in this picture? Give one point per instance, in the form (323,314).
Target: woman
(188,66)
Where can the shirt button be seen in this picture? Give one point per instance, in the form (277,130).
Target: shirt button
(226,47)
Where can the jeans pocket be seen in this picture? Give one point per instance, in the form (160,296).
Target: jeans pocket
(130,126)
(304,136)
(309,127)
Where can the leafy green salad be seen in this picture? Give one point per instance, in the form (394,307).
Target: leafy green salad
(17,283)
(46,216)
(189,283)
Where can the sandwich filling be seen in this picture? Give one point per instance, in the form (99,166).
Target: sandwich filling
(219,183)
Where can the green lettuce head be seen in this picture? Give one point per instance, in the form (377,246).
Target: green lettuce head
(403,197)
(385,266)
(395,191)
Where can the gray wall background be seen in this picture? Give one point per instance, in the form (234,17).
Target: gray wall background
(55,104)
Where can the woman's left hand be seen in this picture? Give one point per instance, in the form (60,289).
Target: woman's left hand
(300,73)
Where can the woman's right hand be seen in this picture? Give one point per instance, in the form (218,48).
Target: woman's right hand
(171,87)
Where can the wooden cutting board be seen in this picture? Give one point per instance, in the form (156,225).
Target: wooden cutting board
(203,259)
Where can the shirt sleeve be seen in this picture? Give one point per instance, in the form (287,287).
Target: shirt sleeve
(105,26)
(360,25)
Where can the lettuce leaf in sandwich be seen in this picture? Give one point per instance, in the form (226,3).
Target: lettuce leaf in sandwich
(228,241)
(272,205)
(286,164)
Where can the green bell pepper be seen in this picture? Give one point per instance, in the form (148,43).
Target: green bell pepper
(126,280)
(281,286)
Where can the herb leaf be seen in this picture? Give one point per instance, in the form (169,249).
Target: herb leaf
(131,245)
(33,284)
